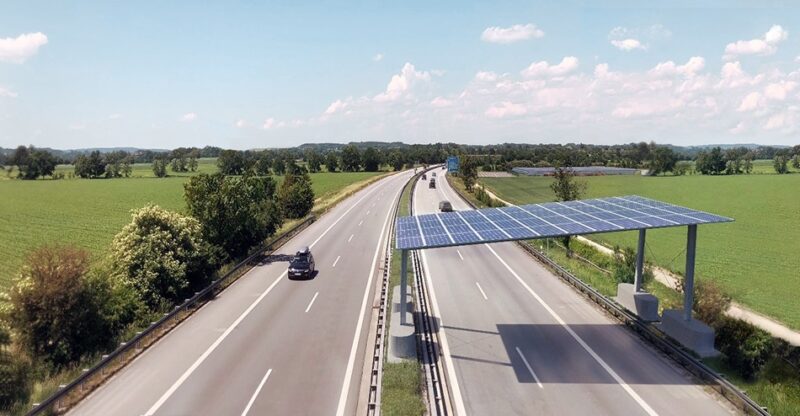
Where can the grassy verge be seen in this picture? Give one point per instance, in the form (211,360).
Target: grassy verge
(401,391)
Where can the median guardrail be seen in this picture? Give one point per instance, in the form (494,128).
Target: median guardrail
(648,332)
(69,394)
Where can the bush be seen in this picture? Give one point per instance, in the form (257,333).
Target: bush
(55,310)
(15,378)
(624,267)
(162,255)
(745,347)
(236,213)
(710,302)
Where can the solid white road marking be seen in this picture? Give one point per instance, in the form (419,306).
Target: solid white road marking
(258,390)
(481,289)
(359,224)
(351,237)
(238,320)
(459,255)
(529,368)
(336,261)
(577,338)
(368,212)
(308,308)
(354,348)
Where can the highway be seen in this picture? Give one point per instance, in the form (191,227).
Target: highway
(267,344)
(518,341)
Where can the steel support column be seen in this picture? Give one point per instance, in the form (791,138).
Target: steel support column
(688,283)
(403,284)
(639,278)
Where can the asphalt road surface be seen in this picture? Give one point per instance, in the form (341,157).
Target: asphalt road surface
(267,344)
(518,341)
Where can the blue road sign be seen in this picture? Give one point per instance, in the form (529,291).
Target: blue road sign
(452,164)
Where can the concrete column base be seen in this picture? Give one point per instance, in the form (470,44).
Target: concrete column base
(692,334)
(643,304)
(402,339)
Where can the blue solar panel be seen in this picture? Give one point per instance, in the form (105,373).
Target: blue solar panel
(544,220)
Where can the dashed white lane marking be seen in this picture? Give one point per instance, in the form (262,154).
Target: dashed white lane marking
(308,308)
(459,255)
(359,224)
(336,261)
(351,237)
(529,368)
(368,212)
(258,390)
(481,289)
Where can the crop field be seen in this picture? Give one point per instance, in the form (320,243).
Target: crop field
(89,212)
(755,258)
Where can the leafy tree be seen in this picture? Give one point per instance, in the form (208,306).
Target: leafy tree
(396,160)
(33,163)
(681,168)
(236,213)
(231,162)
(662,159)
(91,166)
(371,160)
(192,164)
(20,158)
(710,302)
(160,168)
(55,308)
(295,195)
(279,166)
(745,348)
(796,162)
(567,188)
(331,162)
(711,163)
(163,255)
(15,374)
(468,171)
(351,158)
(747,165)
(780,164)
(313,160)
(179,164)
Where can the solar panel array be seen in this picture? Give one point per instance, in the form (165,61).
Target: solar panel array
(552,219)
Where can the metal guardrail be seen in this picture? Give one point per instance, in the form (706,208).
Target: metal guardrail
(648,332)
(69,394)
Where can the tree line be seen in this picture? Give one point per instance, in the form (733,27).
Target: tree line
(64,309)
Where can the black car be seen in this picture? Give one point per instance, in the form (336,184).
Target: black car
(302,264)
(445,206)
(432,183)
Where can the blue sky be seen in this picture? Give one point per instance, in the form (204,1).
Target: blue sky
(252,75)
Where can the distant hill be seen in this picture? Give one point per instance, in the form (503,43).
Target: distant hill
(324,147)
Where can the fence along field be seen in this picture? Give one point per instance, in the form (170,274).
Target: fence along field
(756,258)
(89,212)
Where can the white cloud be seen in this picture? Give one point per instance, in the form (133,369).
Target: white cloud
(189,117)
(378,57)
(486,76)
(441,102)
(5,92)
(694,65)
(77,126)
(271,123)
(240,123)
(762,46)
(543,69)
(335,107)
(516,33)
(750,102)
(400,84)
(740,128)
(775,122)
(17,50)
(628,44)
(779,90)
(114,116)
(505,109)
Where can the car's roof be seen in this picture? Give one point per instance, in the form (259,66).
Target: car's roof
(303,251)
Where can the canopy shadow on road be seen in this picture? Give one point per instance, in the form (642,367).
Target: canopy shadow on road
(557,358)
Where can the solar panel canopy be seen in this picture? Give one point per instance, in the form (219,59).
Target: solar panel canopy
(553,219)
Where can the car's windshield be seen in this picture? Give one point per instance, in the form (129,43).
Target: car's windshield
(299,261)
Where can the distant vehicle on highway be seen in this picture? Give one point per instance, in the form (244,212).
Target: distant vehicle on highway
(432,183)
(302,264)
(444,167)
(433,174)
(424,177)
(445,206)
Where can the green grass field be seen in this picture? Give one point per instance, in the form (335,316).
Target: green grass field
(89,212)
(755,258)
